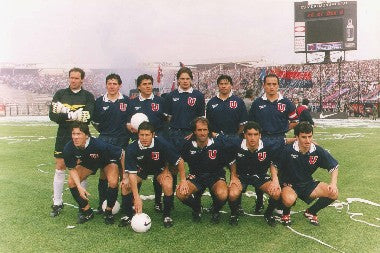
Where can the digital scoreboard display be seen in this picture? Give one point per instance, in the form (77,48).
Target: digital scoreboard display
(329,26)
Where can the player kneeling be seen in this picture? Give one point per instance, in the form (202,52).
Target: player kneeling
(296,165)
(252,160)
(150,155)
(83,156)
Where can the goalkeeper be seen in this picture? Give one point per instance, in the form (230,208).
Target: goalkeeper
(69,105)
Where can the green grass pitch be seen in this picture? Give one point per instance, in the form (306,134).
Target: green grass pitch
(26,175)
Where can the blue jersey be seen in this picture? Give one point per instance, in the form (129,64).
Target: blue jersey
(250,163)
(226,115)
(273,117)
(150,159)
(110,117)
(96,154)
(184,107)
(297,168)
(152,107)
(210,159)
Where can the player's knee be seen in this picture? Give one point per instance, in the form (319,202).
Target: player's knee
(276,195)
(181,196)
(221,193)
(233,194)
(70,182)
(113,183)
(333,196)
(288,200)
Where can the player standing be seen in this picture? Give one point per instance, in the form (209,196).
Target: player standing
(84,155)
(272,112)
(110,117)
(68,105)
(296,165)
(153,107)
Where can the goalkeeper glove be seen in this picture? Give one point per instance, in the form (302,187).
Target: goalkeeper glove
(80,115)
(58,107)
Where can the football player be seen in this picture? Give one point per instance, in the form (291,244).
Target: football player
(252,160)
(110,117)
(153,107)
(206,158)
(69,105)
(296,165)
(150,155)
(84,155)
(276,115)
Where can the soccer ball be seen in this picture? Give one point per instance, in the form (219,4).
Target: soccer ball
(115,209)
(137,119)
(141,222)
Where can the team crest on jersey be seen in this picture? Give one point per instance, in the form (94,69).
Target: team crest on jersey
(281,107)
(94,156)
(123,107)
(155,107)
(212,154)
(191,101)
(233,104)
(155,156)
(261,156)
(313,159)
(137,108)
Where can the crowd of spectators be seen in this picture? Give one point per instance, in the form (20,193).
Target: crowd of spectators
(334,86)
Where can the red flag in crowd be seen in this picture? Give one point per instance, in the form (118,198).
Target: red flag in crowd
(159,74)
(173,85)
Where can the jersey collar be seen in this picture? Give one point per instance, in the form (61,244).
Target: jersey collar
(188,91)
(142,147)
(106,99)
(244,145)
(217,95)
(264,97)
(141,98)
(209,143)
(297,148)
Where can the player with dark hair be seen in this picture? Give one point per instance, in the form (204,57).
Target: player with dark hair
(206,158)
(252,160)
(150,155)
(110,117)
(182,106)
(303,112)
(226,112)
(272,112)
(296,165)
(84,155)
(153,107)
(68,105)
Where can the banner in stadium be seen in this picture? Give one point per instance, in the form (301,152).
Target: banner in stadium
(297,79)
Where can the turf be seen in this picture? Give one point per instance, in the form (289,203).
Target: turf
(26,173)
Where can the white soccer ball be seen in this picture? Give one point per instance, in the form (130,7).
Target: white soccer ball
(141,222)
(137,119)
(115,209)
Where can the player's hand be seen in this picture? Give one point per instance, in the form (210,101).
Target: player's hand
(58,107)
(83,193)
(235,181)
(274,187)
(188,136)
(333,189)
(183,187)
(138,205)
(80,115)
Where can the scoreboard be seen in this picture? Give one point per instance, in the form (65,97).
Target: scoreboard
(328,26)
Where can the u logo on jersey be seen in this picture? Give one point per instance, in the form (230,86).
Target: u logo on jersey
(233,104)
(261,156)
(212,154)
(155,156)
(281,107)
(155,107)
(123,107)
(191,101)
(313,159)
